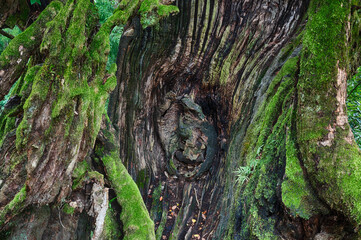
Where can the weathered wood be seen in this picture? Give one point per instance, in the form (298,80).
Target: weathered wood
(239,63)
(49,126)
(229,117)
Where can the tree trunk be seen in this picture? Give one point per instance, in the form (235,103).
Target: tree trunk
(230,117)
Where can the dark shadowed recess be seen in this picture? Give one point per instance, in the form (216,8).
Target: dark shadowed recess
(220,56)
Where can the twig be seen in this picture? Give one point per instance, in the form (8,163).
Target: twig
(8,35)
(354,88)
(195,193)
(60,219)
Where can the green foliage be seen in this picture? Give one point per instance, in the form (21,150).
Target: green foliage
(4,41)
(242,174)
(105,10)
(354,105)
(114,45)
(34,1)
(151,11)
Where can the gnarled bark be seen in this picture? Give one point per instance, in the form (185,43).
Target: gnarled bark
(229,117)
(250,71)
(49,127)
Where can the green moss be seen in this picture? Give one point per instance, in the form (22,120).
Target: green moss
(296,192)
(25,87)
(264,153)
(76,32)
(79,182)
(14,206)
(111,227)
(320,55)
(164,11)
(77,78)
(37,96)
(151,11)
(80,169)
(280,87)
(68,209)
(31,37)
(332,168)
(135,217)
(148,5)
(21,132)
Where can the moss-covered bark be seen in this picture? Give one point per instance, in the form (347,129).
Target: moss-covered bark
(230,119)
(14,58)
(265,80)
(134,215)
(329,151)
(50,124)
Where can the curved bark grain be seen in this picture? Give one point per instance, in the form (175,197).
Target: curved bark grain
(236,67)
(229,117)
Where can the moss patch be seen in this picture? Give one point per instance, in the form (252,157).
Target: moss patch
(296,192)
(332,167)
(264,154)
(14,206)
(135,217)
(151,11)
(111,227)
(68,209)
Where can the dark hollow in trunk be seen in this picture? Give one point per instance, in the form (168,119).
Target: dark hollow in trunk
(229,117)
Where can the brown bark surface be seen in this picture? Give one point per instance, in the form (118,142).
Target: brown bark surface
(188,92)
(212,116)
(218,56)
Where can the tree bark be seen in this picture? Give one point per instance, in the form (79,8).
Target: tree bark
(229,118)
(251,91)
(49,186)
